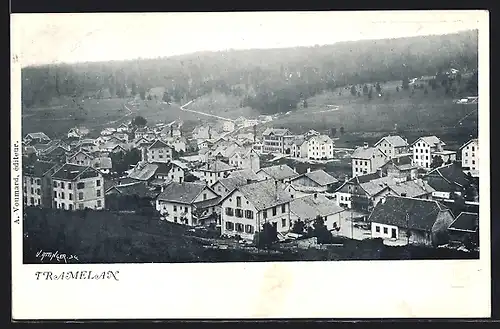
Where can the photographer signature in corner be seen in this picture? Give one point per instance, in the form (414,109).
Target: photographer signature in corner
(57,256)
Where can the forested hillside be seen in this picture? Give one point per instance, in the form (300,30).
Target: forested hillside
(271,80)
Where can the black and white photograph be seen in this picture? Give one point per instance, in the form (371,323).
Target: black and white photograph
(242,139)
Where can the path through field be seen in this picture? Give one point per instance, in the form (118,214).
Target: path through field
(202,113)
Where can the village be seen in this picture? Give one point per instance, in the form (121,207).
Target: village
(222,176)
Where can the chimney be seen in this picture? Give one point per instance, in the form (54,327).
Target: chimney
(403,194)
(276,188)
(315,195)
(379,172)
(365,145)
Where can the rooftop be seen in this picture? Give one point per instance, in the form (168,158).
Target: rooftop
(38,168)
(139,189)
(143,171)
(309,207)
(276,131)
(158,144)
(466,221)
(365,153)
(216,166)
(431,140)
(246,174)
(264,194)
(279,172)
(394,140)
(321,177)
(403,212)
(181,192)
(412,188)
(73,172)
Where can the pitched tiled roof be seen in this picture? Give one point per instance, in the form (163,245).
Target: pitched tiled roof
(264,194)
(38,168)
(321,177)
(279,172)
(71,171)
(139,189)
(365,153)
(466,221)
(475,140)
(394,140)
(431,140)
(38,135)
(103,163)
(245,173)
(230,183)
(412,188)
(276,131)
(181,192)
(419,214)
(449,177)
(158,144)
(143,171)
(163,168)
(322,139)
(179,164)
(217,166)
(207,203)
(308,207)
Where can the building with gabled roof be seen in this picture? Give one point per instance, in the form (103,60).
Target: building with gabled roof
(402,220)
(81,158)
(366,160)
(447,181)
(182,202)
(37,185)
(307,208)
(248,207)
(77,187)
(157,151)
(318,179)
(273,140)
(320,147)
(245,158)
(214,170)
(36,138)
(393,145)
(279,173)
(470,157)
(464,230)
(424,149)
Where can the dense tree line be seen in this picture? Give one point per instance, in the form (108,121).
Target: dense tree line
(272,80)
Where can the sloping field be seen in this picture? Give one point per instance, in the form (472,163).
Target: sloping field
(226,106)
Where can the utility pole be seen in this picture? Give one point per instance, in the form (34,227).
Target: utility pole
(407,228)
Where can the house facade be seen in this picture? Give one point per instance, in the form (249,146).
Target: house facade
(393,146)
(402,221)
(320,147)
(248,207)
(228,126)
(424,149)
(245,159)
(77,187)
(366,160)
(299,148)
(158,151)
(273,140)
(177,202)
(470,155)
(280,173)
(317,179)
(37,184)
(81,158)
(214,170)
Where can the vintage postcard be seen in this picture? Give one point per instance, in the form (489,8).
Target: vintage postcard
(250,165)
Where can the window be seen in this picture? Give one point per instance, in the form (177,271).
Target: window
(55,184)
(239,227)
(264,214)
(356,162)
(377,229)
(98,182)
(80,195)
(39,181)
(385,230)
(249,229)
(80,185)
(31,180)
(69,186)
(229,226)
(204,196)
(175,219)
(274,211)
(238,201)
(31,190)
(248,214)
(229,211)
(239,213)
(62,195)
(426,157)
(98,193)
(70,206)
(283,208)
(175,208)
(416,157)
(473,161)
(466,154)
(38,191)
(283,222)
(473,149)
(99,203)
(80,206)
(186,210)
(32,200)
(55,195)
(62,184)
(70,196)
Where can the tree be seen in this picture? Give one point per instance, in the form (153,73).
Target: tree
(342,130)
(333,131)
(365,90)
(305,103)
(397,89)
(298,227)
(134,89)
(378,88)
(139,121)
(405,84)
(437,161)
(142,94)
(166,97)
(267,236)
(353,91)
(150,97)
(321,231)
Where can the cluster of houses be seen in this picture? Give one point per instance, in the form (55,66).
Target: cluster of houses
(396,187)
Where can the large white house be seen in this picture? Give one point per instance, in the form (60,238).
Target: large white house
(320,147)
(248,207)
(245,158)
(470,156)
(366,160)
(158,151)
(424,149)
(393,145)
(273,140)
